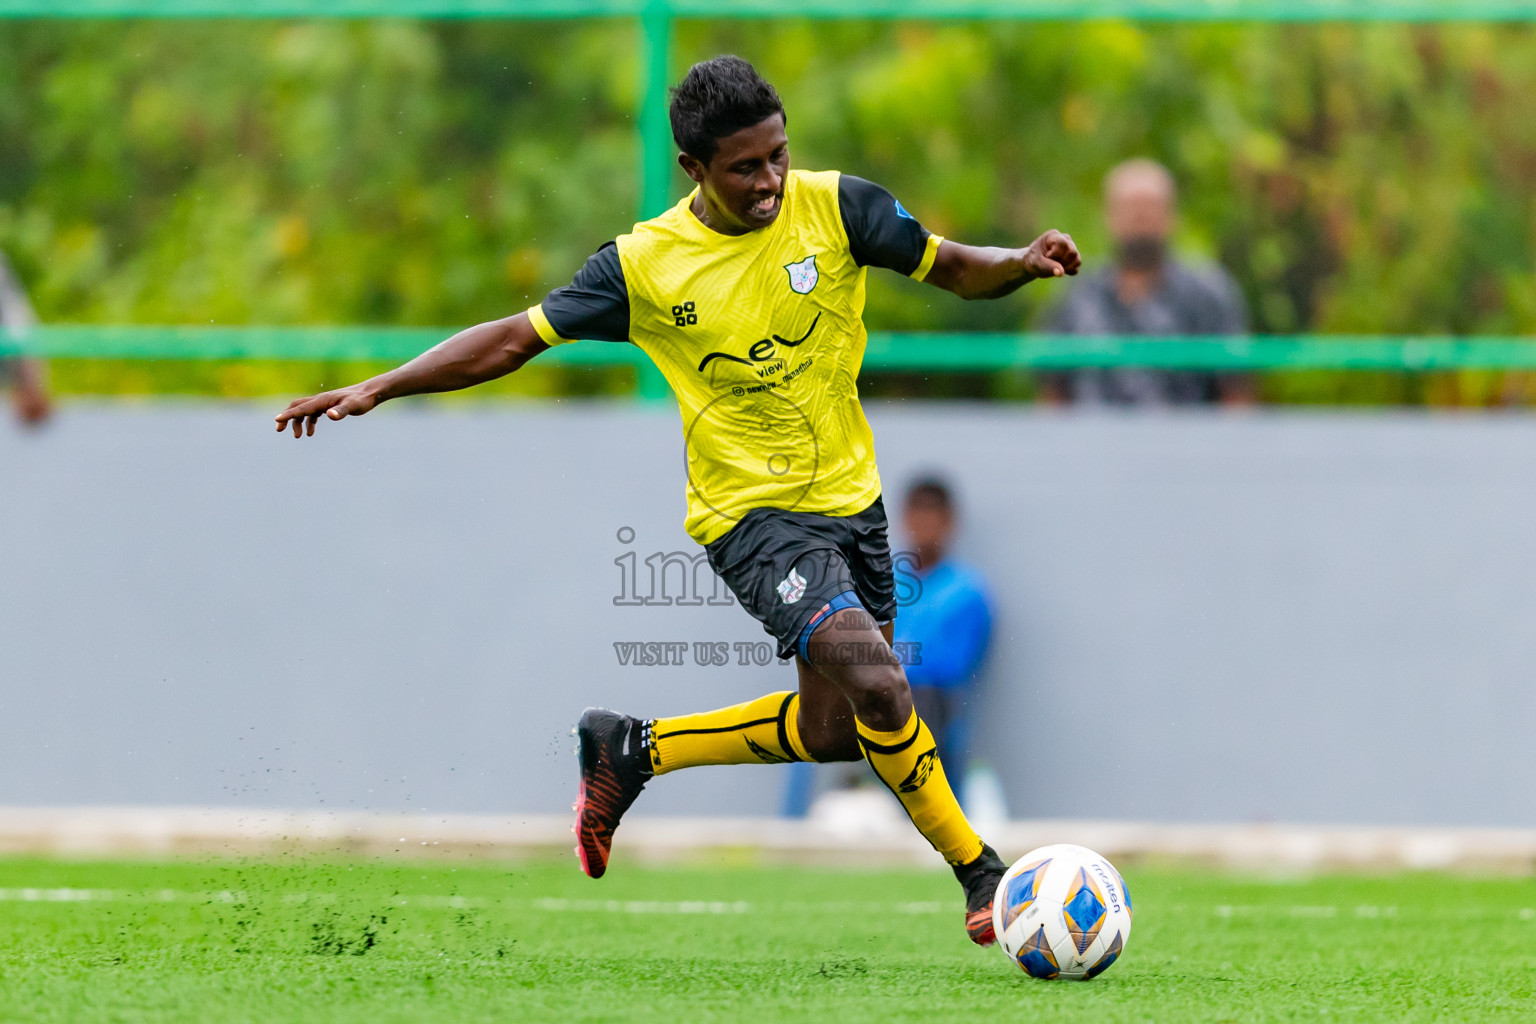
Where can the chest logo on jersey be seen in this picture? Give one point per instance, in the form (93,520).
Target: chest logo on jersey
(763,351)
(802,275)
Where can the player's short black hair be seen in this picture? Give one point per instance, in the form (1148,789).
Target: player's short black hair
(716,98)
(931,490)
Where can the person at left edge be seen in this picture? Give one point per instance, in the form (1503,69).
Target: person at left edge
(748,295)
(29,394)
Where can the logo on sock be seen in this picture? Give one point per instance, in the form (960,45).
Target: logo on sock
(765,755)
(920,772)
(792,587)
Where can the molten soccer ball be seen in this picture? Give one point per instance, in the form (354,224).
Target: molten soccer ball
(1062,912)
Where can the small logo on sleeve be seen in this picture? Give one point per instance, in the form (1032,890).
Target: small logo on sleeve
(792,587)
(901,211)
(802,275)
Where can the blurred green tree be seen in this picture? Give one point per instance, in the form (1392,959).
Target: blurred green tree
(1355,178)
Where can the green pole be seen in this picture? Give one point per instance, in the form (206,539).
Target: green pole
(655,129)
(655,148)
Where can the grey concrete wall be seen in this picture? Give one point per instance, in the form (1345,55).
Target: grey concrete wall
(1323,618)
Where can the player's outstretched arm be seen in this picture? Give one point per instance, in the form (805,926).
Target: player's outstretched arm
(977,272)
(473,356)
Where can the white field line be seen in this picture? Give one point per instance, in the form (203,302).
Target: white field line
(644,906)
(68,895)
(229,831)
(653,907)
(742,907)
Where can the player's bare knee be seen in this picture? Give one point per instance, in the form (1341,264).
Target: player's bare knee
(830,742)
(880,694)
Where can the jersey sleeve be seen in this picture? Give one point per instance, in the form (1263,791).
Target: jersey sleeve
(881,233)
(594,306)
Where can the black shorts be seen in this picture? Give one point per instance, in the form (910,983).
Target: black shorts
(790,568)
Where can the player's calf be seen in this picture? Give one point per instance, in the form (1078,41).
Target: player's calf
(902,751)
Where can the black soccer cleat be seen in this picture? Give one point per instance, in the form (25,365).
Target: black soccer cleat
(615,766)
(980,878)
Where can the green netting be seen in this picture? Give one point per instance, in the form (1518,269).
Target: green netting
(1039,10)
(886,351)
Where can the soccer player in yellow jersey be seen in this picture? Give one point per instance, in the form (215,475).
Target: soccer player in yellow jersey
(748,295)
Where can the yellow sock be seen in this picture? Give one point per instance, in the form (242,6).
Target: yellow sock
(907,761)
(761,731)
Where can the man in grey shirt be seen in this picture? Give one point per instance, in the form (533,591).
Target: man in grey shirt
(23,374)
(1147,292)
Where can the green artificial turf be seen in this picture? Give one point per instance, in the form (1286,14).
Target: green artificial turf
(300,940)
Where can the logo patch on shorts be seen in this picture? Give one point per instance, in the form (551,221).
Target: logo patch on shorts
(792,587)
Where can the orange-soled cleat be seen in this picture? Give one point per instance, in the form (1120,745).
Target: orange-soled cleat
(615,766)
(980,878)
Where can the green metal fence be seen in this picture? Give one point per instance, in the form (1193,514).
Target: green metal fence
(915,352)
(911,351)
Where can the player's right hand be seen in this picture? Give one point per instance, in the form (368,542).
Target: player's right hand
(1053,254)
(303,414)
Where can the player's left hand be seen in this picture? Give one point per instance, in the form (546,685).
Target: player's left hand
(1052,255)
(302,415)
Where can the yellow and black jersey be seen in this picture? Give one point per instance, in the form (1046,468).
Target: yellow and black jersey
(761,337)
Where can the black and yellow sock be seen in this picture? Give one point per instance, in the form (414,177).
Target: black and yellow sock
(761,731)
(907,761)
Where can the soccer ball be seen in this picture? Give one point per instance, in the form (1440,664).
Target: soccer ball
(1062,912)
